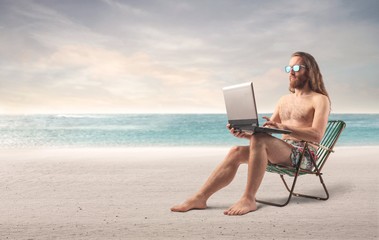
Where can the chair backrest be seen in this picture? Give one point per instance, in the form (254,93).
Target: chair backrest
(332,133)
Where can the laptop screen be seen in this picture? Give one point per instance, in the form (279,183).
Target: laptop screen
(240,102)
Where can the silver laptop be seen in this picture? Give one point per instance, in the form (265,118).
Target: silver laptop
(242,111)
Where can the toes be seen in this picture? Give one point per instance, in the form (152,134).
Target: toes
(235,212)
(230,212)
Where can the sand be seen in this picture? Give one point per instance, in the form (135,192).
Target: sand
(127,194)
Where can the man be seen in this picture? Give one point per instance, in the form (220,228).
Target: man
(304,111)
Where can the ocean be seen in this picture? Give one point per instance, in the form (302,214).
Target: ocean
(149,130)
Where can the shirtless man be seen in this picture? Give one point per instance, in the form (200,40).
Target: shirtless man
(304,111)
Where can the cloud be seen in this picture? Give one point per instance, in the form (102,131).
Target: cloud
(164,56)
(97,78)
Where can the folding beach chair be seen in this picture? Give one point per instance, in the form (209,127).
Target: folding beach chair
(332,133)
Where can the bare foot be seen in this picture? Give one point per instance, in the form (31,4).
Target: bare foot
(241,207)
(189,204)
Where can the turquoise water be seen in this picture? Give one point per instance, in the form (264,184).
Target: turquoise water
(146,130)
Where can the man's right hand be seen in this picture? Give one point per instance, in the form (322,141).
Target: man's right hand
(237,133)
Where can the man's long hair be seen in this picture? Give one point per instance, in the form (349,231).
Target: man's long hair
(315,80)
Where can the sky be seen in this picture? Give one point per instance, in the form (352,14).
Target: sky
(172,56)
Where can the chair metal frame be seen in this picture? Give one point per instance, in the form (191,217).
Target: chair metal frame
(332,133)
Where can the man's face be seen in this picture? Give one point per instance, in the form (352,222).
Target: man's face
(297,79)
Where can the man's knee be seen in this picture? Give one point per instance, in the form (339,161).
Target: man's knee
(238,154)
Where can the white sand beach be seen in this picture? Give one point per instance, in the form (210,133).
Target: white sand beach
(127,194)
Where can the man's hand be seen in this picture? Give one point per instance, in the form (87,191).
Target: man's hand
(237,133)
(272,124)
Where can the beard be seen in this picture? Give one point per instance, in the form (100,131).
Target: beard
(299,82)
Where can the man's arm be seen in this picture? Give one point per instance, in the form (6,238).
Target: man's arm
(275,117)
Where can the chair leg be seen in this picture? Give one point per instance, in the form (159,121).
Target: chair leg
(309,196)
(289,197)
(291,192)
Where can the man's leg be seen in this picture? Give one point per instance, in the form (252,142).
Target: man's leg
(220,178)
(263,148)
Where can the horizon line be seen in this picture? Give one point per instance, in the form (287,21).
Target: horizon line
(114,113)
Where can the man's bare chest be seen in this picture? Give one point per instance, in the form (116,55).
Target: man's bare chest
(300,112)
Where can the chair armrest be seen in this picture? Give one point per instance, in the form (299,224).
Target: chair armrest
(320,146)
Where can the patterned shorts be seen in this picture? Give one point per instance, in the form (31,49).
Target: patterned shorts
(297,150)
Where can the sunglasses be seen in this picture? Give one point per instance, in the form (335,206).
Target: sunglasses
(295,68)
